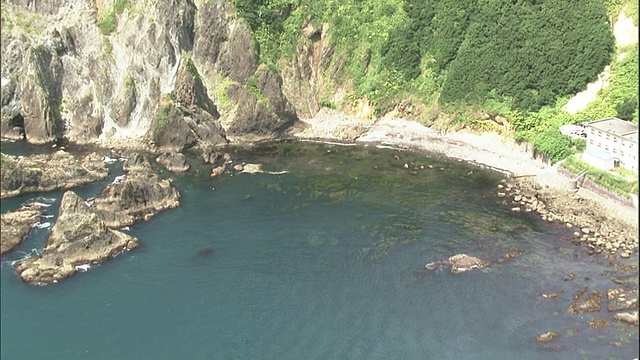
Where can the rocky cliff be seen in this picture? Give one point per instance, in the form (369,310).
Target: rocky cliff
(157,75)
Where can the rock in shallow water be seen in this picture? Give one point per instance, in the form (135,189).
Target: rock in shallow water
(78,238)
(459,263)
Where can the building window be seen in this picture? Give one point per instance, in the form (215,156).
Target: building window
(614,150)
(608,137)
(615,139)
(606,147)
(599,145)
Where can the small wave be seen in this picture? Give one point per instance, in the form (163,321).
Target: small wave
(106,159)
(39,204)
(89,203)
(47,216)
(118,179)
(40,225)
(82,268)
(126,228)
(25,256)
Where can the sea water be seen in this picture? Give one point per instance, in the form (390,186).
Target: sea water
(325,261)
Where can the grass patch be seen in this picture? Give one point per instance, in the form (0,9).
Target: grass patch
(610,181)
(109,23)
(253,88)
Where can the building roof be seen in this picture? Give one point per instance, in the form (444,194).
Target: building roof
(614,126)
(598,153)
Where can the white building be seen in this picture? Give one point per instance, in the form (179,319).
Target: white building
(612,142)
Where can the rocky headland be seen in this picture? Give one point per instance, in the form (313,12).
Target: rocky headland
(47,172)
(78,239)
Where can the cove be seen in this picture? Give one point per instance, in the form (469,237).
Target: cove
(325,261)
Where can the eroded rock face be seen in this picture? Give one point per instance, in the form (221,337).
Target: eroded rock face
(265,112)
(139,194)
(16,225)
(39,173)
(78,238)
(459,263)
(74,76)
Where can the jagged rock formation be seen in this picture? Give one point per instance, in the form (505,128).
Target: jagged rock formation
(155,75)
(16,225)
(39,173)
(78,238)
(139,194)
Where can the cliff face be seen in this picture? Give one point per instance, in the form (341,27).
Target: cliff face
(159,75)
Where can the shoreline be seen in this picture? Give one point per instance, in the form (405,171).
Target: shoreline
(492,151)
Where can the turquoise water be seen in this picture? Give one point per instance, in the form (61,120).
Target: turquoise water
(323,262)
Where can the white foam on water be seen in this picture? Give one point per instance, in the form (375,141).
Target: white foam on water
(40,225)
(106,159)
(118,179)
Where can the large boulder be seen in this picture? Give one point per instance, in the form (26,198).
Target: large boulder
(16,225)
(40,173)
(78,239)
(172,161)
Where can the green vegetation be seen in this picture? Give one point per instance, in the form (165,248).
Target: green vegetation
(456,61)
(166,112)
(327,103)
(607,179)
(222,85)
(108,24)
(252,86)
(191,67)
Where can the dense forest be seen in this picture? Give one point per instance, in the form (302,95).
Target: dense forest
(521,59)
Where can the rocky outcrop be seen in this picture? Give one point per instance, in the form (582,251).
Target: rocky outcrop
(459,263)
(139,194)
(179,74)
(315,74)
(597,233)
(39,173)
(78,239)
(16,225)
(263,111)
(175,162)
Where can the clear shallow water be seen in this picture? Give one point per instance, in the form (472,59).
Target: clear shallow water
(325,262)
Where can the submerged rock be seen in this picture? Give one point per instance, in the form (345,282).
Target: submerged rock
(78,239)
(592,303)
(16,225)
(546,337)
(630,318)
(40,173)
(459,263)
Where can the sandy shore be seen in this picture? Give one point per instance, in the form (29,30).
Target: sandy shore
(488,149)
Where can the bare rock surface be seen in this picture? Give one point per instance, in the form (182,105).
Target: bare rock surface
(78,239)
(174,162)
(16,225)
(139,194)
(40,173)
